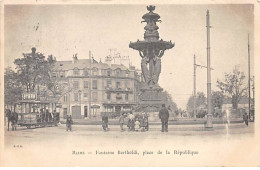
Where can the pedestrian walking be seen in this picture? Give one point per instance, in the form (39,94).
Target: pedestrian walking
(164,116)
(47,114)
(131,122)
(121,122)
(245,117)
(144,122)
(55,118)
(105,123)
(69,122)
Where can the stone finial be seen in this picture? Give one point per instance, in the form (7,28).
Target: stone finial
(33,50)
(151,8)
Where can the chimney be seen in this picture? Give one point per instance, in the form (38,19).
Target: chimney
(33,50)
(75,58)
(108,60)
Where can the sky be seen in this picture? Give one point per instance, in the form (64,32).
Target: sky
(63,30)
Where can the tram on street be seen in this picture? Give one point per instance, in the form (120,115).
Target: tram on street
(36,113)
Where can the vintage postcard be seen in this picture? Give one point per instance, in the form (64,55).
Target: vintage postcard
(129,83)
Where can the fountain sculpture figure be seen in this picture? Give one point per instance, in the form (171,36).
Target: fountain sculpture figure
(151,49)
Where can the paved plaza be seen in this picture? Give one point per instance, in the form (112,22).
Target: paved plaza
(93,132)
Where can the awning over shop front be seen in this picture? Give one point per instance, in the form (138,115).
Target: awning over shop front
(118,104)
(95,107)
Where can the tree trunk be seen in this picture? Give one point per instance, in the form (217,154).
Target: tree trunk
(235,104)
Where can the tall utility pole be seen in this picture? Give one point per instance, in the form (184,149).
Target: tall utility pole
(209,115)
(195,65)
(249,79)
(89,88)
(253,88)
(194,89)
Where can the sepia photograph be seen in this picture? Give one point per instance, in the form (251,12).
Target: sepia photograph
(120,83)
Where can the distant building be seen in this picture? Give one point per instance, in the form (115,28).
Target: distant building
(242,104)
(109,87)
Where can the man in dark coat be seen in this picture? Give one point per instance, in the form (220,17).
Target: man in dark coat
(105,123)
(245,117)
(69,122)
(164,116)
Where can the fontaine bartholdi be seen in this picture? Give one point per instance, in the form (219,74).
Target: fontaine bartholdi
(151,50)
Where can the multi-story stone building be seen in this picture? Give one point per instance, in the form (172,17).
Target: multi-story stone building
(93,87)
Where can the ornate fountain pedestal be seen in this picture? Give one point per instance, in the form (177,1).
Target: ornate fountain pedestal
(151,94)
(150,101)
(151,49)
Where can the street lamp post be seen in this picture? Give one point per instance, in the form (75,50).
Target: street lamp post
(194,90)
(253,88)
(249,87)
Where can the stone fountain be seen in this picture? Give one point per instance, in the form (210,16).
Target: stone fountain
(151,50)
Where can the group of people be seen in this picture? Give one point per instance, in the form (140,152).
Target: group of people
(134,122)
(48,116)
(138,122)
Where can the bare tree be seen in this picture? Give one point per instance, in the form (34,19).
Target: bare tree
(233,85)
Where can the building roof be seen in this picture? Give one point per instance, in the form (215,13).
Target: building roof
(85,63)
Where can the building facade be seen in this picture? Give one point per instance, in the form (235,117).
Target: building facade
(91,88)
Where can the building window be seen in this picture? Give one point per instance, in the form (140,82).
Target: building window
(65,98)
(75,84)
(85,72)
(127,73)
(117,84)
(76,97)
(62,74)
(109,83)
(54,74)
(126,96)
(95,71)
(108,96)
(108,72)
(76,72)
(118,72)
(118,96)
(109,108)
(95,97)
(65,112)
(126,84)
(85,84)
(94,84)
(85,95)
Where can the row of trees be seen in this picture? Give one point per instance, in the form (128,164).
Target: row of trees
(32,70)
(233,87)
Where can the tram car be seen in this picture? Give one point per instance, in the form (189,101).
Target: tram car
(35,113)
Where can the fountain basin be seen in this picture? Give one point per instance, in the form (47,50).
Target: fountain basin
(158,44)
